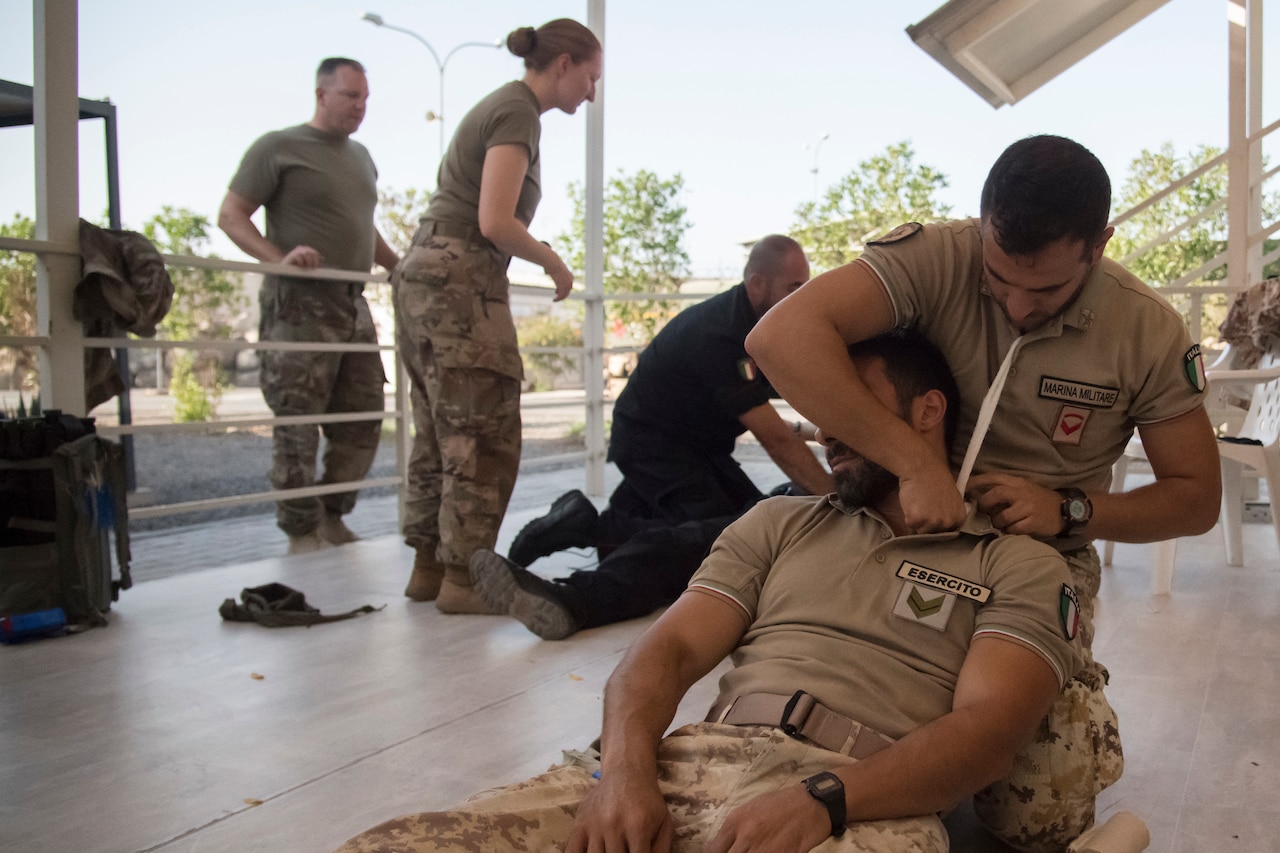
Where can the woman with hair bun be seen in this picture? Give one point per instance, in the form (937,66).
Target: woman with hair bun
(453,324)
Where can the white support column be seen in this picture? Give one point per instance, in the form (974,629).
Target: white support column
(593,322)
(1253,39)
(57,117)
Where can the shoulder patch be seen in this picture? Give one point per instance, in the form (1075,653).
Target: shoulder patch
(1193,366)
(1069,611)
(897,235)
(747,369)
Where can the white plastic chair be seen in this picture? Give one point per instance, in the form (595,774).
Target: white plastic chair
(1257,448)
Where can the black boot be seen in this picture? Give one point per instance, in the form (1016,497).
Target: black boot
(571,523)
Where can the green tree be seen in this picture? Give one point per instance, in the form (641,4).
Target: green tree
(1196,214)
(881,193)
(547,331)
(398,215)
(1193,243)
(644,228)
(18,304)
(194,400)
(397,220)
(204,301)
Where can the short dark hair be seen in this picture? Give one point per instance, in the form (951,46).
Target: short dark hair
(914,366)
(333,63)
(769,254)
(1044,188)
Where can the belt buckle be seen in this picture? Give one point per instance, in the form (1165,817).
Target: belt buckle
(796,713)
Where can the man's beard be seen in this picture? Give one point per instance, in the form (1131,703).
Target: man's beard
(867,484)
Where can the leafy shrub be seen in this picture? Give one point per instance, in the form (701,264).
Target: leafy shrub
(193,401)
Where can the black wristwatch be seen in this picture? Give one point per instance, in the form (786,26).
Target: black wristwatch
(827,789)
(1076,509)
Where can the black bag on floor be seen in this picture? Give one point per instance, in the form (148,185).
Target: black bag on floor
(62,493)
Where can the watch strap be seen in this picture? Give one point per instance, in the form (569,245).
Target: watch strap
(827,789)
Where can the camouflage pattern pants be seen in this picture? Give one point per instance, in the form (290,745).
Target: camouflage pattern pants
(705,771)
(314,383)
(457,341)
(1048,799)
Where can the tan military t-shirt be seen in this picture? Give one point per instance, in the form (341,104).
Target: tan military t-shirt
(1118,357)
(319,189)
(508,116)
(877,627)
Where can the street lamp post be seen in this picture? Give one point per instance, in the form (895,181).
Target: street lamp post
(814,171)
(377,21)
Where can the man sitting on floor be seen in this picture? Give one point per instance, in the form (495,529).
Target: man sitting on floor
(880,677)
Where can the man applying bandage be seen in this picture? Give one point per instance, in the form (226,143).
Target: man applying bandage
(1066,354)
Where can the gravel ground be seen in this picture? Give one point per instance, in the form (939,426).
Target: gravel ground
(175,468)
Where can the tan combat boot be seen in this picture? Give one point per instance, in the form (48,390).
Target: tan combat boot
(334,530)
(424,583)
(306,543)
(457,595)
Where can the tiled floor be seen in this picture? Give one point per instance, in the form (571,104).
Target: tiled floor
(155,735)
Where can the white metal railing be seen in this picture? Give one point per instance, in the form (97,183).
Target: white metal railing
(1252,239)
(400,413)
(1193,297)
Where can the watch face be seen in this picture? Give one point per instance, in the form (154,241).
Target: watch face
(826,785)
(1077,510)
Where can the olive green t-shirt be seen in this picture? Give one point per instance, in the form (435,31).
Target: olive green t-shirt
(509,115)
(319,190)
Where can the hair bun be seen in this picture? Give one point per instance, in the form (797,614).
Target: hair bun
(522,41)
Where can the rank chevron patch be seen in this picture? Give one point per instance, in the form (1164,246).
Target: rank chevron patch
(920,607)
(924,606)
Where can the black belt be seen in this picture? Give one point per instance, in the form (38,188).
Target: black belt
(802,716)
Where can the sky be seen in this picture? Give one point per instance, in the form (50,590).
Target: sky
(733,95)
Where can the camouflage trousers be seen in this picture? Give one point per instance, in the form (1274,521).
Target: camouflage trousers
(457,341)
(314,383)
(1048,799)
(705,771)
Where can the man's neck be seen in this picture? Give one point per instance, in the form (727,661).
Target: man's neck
(890,509)
(327,131)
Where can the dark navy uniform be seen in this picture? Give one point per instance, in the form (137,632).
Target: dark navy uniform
(676,422)
(674,430)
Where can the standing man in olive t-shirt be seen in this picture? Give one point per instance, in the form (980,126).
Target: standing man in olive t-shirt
(319,190)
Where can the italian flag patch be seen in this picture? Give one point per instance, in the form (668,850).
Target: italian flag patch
(1069,612)
(1193,365)
(747,369)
